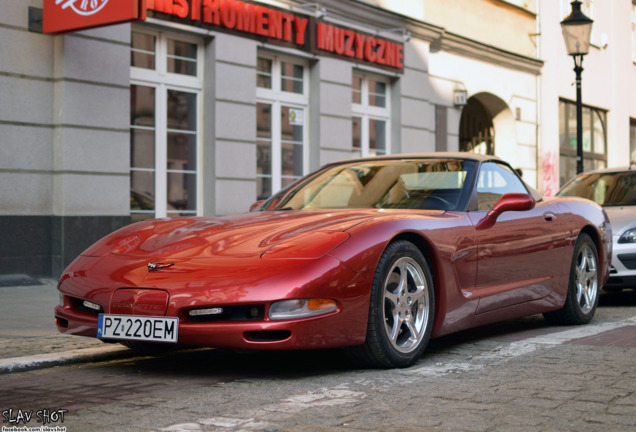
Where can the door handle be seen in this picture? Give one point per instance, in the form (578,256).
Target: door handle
(549,216)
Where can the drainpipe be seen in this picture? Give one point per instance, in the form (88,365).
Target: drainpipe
(539,146)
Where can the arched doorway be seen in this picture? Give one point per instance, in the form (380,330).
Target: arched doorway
(487,126)
(476,130)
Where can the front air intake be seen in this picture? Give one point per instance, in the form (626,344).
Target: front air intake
(268,335)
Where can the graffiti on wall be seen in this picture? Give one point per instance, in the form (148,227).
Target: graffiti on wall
(550,174)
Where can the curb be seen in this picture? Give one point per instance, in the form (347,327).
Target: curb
(40,361)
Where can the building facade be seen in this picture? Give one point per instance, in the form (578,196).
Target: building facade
(608,91)
(205,107)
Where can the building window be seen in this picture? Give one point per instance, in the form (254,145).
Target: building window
(371,115)
(594,139)
(281,113)
(165,98)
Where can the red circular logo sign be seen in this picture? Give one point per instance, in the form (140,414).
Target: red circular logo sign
(82,7)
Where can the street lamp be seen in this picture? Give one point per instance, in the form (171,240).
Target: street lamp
(577,29)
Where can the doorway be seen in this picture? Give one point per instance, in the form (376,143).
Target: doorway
(476,129)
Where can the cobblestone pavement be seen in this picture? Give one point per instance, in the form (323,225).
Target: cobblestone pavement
(521,375)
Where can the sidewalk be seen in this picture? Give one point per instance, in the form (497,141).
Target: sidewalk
(28,336)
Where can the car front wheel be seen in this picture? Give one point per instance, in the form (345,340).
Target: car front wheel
(401,309)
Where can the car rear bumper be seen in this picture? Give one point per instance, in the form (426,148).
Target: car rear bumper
(621,281)
(623,269)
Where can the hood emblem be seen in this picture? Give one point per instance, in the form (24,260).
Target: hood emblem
(154,267)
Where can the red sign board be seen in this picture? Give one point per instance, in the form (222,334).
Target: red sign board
(70,15)
(248,18)
(284,27)
(356,45)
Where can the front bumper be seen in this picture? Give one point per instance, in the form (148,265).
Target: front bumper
(340,328)
(623,269)
(225,288)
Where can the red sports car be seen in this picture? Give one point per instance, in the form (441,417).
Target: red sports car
(377,255)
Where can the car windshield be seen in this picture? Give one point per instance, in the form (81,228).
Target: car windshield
(606,189)
(402,184)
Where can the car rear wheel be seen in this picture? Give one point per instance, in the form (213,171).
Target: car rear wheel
(401,309)
(583,289)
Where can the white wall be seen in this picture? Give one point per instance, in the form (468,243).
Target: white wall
(515,140)
(64,118)
(608,80)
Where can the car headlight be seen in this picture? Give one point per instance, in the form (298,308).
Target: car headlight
(628,236)
(301,308)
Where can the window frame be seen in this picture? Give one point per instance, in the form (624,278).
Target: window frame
(568,153)
(277,98)
(162,82)
(366,113)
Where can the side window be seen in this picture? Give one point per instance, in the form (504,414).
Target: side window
(494,181)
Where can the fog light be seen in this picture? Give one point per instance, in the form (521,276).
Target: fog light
(301,308)
(206,312)
(91,305)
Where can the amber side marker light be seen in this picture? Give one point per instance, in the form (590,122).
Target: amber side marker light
(301,308)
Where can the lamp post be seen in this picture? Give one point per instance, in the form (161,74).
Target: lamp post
(577,29)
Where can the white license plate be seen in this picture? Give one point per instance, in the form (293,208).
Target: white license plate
(141,328)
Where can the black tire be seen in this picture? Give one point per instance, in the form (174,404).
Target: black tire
(401,310)
(583,287)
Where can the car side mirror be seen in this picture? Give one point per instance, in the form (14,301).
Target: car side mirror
(508,202)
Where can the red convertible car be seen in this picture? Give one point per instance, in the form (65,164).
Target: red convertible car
(377,255)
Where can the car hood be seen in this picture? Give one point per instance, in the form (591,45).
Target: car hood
(622,218)
(305,234)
